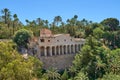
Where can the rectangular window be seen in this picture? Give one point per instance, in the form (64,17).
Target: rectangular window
(48,40)
(42,40)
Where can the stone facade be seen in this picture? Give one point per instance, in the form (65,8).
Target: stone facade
(55,50)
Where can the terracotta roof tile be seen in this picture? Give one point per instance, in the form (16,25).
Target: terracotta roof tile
(45,33)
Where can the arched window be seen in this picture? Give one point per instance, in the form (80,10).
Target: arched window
(42,51)
(48,51)
(53,50)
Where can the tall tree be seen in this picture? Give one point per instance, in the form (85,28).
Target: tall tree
(57,19)
(52,74)
(92,59)
(40,22)
(21,38)
(112,23)
(27,21)
(15,21)
(6,15)
(75,16)
(46,23)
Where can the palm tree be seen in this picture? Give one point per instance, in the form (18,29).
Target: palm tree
(57,19)
(81,76)
(100,67)
(75,16)
(46,23)
(68,21)
(115,64)
(84,21)
(14,22)
(73,71)
(52,74)
(40,22)
(33,23)
(6,15)
(27,21)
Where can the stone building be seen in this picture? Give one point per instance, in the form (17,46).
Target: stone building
(55,50)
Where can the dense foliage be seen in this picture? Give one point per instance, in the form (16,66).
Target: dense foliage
(14,66)
(22,37)
(99,58)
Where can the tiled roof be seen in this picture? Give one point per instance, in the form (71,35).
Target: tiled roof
(45,33)
(48,33)
(61,34)
(57,35)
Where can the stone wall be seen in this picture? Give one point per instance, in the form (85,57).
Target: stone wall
(58,61)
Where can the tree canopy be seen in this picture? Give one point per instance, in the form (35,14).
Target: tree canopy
(112,23)
(15,67)
(22,37)
(98,59)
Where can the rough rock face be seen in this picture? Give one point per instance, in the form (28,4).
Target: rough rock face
(58,61)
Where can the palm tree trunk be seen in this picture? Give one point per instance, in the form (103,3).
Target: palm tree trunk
(13,27)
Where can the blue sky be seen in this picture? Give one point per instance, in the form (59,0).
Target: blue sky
(95,10)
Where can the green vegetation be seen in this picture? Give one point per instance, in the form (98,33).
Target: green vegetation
(14,67)
(99,58)
(22,37)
